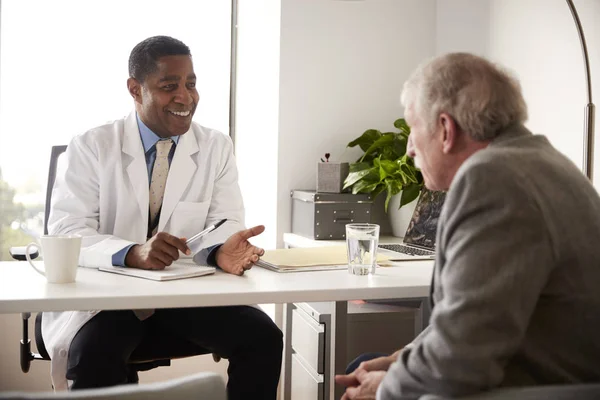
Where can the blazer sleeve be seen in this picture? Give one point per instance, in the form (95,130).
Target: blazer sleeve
(75,205)
(498,256)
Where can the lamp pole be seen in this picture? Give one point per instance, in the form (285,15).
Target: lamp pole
(588,124)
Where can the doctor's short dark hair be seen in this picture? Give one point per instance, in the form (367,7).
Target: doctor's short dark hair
(145,55)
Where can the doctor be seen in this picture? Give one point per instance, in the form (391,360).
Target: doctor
(135,189)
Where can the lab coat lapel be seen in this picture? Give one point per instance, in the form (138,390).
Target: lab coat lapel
(181,172)
(134,162)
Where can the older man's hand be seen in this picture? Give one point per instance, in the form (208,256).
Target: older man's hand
(376,364)
(366,387)
(237,254)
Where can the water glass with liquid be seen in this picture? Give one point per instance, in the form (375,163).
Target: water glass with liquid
(361,243)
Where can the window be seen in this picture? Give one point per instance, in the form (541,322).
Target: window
(63,71)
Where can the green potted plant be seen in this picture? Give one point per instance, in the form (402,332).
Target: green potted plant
(385,166)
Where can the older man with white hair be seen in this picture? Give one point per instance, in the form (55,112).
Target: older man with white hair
(515,285)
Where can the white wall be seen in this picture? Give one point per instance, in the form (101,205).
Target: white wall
(342,68)
(462,25)
(257,97)
(537,39)
(343,64)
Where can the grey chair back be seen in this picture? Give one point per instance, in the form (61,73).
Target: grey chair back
(589,391)
(206,386)
(56,152)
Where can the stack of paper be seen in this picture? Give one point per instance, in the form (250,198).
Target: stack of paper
(308,259)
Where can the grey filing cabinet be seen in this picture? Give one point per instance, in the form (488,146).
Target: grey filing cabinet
(323,216)
(371,327)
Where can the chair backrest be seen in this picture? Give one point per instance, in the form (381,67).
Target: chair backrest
(56,152)
(582,391)
(207,385)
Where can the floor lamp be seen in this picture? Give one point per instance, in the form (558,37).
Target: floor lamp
(588,125)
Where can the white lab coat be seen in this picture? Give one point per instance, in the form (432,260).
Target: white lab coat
(101,193)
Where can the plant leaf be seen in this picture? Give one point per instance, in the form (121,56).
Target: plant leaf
(392,189)
(366,139)
(387,168)
(378,189)
(393,185)
(408,173)
(402,126)
(364,187)
(409,193)
(354,177)
(400,143)
(388,197)
(355,167)
(379,144)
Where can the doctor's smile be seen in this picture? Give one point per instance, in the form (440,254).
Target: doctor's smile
(180,113)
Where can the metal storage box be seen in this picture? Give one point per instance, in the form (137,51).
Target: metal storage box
(325,215)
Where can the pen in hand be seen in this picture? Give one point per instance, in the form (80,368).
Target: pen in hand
(206,231)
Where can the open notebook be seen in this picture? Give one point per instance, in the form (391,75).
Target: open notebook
(309,259)
(177,270)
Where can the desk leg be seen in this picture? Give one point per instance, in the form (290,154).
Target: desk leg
(286,370)
(422,316)
(279,315)
(337,350)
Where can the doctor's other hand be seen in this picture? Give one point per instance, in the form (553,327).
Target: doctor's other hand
(237,254)
(157,253)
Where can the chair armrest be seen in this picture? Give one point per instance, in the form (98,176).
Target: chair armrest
(207,385)
(590,391)
(18,253)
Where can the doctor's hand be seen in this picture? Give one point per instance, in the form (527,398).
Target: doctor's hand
(157,253)
(237,254)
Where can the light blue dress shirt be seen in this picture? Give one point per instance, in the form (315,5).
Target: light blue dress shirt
(149,140)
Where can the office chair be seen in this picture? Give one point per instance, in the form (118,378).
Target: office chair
(156,350)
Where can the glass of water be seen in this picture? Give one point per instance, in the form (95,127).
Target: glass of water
(361,242)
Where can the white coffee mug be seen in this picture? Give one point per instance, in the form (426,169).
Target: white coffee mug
(61,257)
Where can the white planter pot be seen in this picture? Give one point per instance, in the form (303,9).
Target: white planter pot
(399,219)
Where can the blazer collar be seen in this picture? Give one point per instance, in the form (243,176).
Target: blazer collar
(512,132)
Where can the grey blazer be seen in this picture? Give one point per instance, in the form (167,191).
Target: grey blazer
(516,285)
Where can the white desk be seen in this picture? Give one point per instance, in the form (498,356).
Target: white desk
(23,290)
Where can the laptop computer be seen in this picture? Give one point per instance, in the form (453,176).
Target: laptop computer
(419,240)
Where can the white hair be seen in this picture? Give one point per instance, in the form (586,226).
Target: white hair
(481,97)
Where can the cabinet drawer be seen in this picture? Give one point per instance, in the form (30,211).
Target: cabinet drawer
(305,385)
(308,340)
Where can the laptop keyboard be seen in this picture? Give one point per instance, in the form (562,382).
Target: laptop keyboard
(400,248)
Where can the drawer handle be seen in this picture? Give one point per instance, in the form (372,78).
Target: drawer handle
(343,220)
(314,325)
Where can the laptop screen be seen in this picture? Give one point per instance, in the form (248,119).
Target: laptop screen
(423,225)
